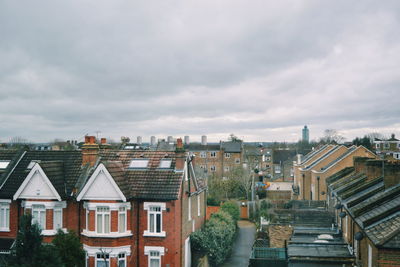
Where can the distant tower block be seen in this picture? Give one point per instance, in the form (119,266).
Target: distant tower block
(204,140)
(153,140)
(139,140)
(170,139)
(305,134)
(186,140)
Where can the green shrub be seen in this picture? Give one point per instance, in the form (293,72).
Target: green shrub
(232,208)
(211,201)
(216,237)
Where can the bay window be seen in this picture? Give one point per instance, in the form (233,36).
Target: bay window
(4,216)
(102,260)
(103,220)
(122,220)
(39,215)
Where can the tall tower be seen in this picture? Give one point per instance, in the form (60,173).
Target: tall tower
(305,134)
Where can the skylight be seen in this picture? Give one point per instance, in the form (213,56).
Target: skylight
(138,163)
(165,163)
(4,164)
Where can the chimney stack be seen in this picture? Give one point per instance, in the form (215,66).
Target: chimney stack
(180,155)
(103,141)
(90,151)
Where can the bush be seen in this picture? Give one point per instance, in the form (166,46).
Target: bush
(212,201)
(216,238)
(232,209)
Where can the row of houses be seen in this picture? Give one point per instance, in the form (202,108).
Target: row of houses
(365,200)
(312,170)
(129,207)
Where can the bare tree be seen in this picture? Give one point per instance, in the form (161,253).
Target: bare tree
(332,136)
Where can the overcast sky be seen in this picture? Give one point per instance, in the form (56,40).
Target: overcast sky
(258,69)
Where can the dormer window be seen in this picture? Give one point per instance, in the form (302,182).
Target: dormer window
(165,163)
(4,164)
(139,164)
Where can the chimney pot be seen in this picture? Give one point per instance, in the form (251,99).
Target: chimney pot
(87,139)
(103,141)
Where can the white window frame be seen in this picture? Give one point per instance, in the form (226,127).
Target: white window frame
(227,155)
(103,214)
(122,211)
(149,206)
(121,257)
(151,253)
(87,219)
(41,211)
(102,259)
(369,255)
(213,154)
(5,215)
(203,154)
(237,160)
(58,209)
(213,168)
(198,205)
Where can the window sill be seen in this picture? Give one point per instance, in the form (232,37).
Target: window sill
(5,230)
(147,233)
(110,235)
(52,232)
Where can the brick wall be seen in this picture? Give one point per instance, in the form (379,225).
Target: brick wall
(388,258)
(278,235)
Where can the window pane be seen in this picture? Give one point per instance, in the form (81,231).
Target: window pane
(121,263)
(99,223)
(57,219)
(2,218)
(7,218)
(152,223)
(158,223)
(106,223)
(42,215)
(154,263)
(121,223)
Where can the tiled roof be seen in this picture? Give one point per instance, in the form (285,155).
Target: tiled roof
(200,147)
(340,174)
(72,161)
(322,157)
(312,153)
(54,170)
(344,155)
(232,146)
(386,232)
(360,193)
(279,156)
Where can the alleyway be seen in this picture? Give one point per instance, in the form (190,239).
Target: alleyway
(242,247)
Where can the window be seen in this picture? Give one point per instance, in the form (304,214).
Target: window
(121,260)
(122,220)
(377,145)
(386,145)
(154,259)
(87,219)
(203,167)
(4,216)
(103,220)
(189,208)
(102,260)
(198,205)
(203,154)
(237,160)
(165,163)
(155,219)
(39,215)
(227,155)
(226,168)
(213,168)
(138,163)
(57,218)
(213,154)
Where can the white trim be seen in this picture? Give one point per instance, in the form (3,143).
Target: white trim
(147,250)
(5,200)
(47,204)
(198,205)
(101,168)
(113,251)
(5,213)
(34,170)
(146,205)
(50,232)
(109,235)
(113,206)
(369,255)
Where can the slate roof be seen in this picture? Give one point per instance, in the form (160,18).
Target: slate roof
(339,175)
(200,147)
(232,146)
(313,153)
(71,170)
(341,157)
(145,183)
(386,232)
(322,157)
(280,156)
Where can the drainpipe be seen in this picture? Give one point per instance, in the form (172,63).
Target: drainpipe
(318,186)
(304,189)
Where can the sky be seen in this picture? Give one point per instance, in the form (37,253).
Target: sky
(258,69)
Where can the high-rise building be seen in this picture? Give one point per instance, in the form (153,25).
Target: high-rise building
(305,134)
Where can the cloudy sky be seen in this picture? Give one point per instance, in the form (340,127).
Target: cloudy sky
(258,69)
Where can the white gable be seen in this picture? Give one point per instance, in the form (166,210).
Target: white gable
(37,186)
(101,186)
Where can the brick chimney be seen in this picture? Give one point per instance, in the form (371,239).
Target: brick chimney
(180,155)
(90,151)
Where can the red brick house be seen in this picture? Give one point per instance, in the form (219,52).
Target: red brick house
(130,208)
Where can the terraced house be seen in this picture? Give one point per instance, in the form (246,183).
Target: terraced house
(130,207)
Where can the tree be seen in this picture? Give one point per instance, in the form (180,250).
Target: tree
(29,249)
(363,141)
(69,249)
(331,136)
(234,138)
